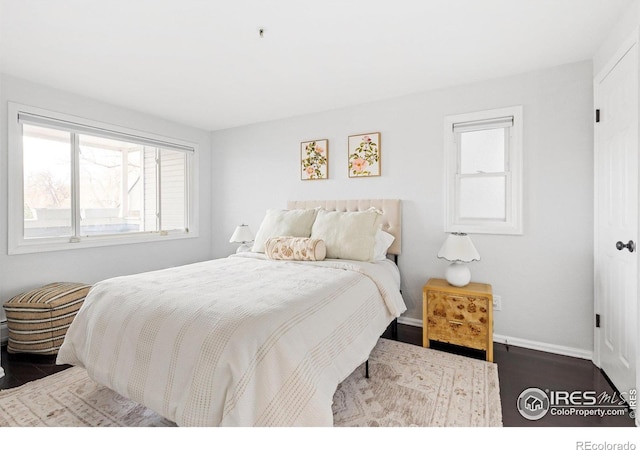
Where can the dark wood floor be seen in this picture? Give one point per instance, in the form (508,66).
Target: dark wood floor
(518,369)
(20,369)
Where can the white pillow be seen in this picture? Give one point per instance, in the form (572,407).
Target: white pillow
(282,222)
(348,235)
(383,242)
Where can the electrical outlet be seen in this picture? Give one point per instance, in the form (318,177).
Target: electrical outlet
(497,303)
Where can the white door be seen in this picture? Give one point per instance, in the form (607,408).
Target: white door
(616,220)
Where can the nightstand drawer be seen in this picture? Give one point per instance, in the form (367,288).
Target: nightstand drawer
(451,331)
(458,308)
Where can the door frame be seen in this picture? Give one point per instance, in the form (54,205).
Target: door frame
(623,49)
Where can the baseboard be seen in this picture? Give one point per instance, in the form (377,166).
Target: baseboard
(410,321)
(544,347)
(517,342)
(4,333)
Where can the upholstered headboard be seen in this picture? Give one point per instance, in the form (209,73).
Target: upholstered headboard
(391,213)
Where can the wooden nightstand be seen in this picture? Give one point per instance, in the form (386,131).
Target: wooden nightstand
(461,316)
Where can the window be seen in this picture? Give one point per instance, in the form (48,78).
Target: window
(78,183)
(483,157)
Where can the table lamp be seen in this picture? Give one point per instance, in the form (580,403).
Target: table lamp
(458,249)
(242,235)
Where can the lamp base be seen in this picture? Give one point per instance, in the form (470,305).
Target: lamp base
(244,248)
(458,274)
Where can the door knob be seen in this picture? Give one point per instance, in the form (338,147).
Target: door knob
(629,245)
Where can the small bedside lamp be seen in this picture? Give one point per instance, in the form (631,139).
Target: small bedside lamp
(242,235)
(458,249)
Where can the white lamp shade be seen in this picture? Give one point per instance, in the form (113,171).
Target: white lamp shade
(458,247)
(242,235)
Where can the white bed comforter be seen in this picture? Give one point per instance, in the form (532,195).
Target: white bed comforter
(238,341)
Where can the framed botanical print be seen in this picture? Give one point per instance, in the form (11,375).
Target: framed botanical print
(364,155)
(314,160)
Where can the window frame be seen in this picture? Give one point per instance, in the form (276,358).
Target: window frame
(17,244)
(513,223)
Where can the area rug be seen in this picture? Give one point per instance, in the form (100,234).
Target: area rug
(408,386)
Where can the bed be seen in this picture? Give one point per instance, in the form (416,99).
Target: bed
(244,340)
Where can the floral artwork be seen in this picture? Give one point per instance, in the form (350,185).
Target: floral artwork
(314,156)
(364,155)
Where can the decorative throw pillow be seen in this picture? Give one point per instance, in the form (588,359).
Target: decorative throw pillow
(348,235)
(383,242)
(294,248)
(277,222)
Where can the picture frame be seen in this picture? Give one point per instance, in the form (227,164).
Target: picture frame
(364,152)
(314,160)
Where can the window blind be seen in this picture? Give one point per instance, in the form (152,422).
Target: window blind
(476,125)
(36,119)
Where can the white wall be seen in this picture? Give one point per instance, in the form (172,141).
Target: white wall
(545,277)
(23,272)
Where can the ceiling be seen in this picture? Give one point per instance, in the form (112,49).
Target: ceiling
(203,62)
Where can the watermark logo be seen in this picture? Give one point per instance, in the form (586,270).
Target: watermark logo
(533,404)
(589,445)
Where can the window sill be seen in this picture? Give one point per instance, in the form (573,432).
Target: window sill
(38,246)
(481,228)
